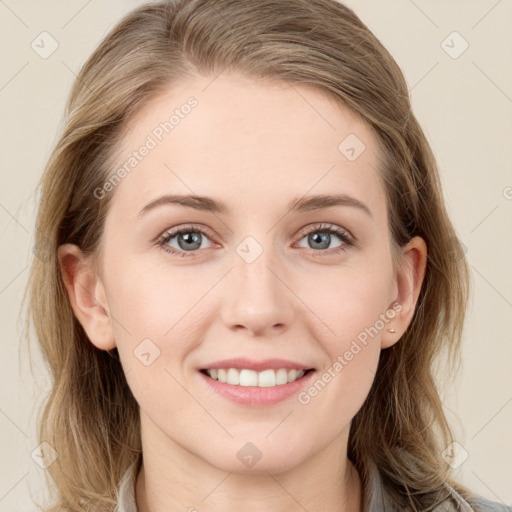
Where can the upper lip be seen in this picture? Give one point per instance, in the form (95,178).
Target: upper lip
(251,364)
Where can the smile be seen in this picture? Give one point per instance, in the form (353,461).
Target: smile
(256,388)
(263,379)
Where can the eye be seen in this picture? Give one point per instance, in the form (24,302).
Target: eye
(320,237)
(189,239)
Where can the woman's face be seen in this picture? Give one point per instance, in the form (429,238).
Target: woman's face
(255,276)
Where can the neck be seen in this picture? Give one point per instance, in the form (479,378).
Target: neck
(176,480)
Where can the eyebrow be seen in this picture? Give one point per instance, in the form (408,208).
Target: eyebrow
(303,204)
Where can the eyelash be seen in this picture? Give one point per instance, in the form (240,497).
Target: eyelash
(347,240)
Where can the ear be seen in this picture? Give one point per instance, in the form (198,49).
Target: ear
(87,295)
(408,281)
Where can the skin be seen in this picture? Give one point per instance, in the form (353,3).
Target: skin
(254,146)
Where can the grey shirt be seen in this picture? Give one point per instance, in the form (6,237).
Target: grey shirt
(376,499)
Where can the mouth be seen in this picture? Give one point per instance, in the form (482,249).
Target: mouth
(246,377)
(251,383)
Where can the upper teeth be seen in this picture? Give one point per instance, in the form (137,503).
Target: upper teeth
(264,379)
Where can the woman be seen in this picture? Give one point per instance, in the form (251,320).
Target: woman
(252,271)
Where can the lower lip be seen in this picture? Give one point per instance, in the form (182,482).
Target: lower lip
(254,396)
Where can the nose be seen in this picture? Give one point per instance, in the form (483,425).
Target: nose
(258,299)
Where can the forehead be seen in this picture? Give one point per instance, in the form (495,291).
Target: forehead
(247,143)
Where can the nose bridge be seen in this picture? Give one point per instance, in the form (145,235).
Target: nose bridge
(257,299)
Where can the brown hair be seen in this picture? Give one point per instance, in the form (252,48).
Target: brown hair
(90,416)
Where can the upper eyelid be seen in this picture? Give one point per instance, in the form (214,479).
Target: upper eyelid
(172,232)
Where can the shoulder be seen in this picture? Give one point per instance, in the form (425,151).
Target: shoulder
(477,503)
(380,499)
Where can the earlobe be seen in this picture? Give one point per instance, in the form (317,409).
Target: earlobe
(409,281)
(86,295)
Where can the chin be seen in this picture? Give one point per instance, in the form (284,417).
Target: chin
(257,458)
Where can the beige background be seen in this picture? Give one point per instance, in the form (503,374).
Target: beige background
(465,107)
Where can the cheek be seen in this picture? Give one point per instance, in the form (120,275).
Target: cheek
(353,306)
(153,340)
(160,316)
(151,300)
(341,387)
(350,303)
